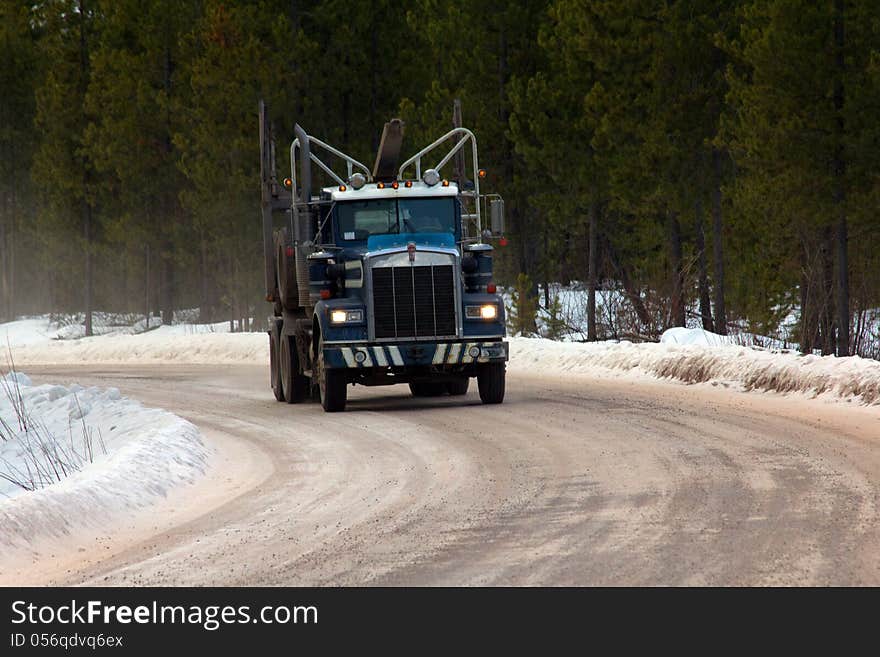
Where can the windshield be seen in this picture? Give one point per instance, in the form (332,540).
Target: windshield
(360,219)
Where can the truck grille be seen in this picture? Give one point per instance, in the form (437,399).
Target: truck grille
(414,302)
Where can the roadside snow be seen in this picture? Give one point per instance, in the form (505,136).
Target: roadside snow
(697,336)
(166,344)
(685,355)
(46,328)
(705,359)
(136,455)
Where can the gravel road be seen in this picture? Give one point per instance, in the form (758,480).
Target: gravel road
(587,482)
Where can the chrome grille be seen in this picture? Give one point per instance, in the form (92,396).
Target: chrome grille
(414,301)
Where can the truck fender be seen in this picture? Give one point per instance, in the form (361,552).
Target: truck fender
(320,318)
(317,332)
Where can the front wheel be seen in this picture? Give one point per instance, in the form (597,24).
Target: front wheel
(490,381)
(331,383)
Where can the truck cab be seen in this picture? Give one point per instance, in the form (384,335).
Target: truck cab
(384,277)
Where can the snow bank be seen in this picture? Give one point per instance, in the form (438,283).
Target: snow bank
(45,328)
(852,378)
(686,355)
(138,454)
(697,336)
(166,344)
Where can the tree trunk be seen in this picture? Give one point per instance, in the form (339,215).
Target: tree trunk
(147,286)
(592,270)
(705,304)
(839,187)
(678,305)
(127,305)
(205,313)
(858,332)
(4,261)
(519,218)
(458,162)
(167,285)
(808,319)
(843,346)
(231,288)
(87,207)
(170,202)
(718,247)
(545,282)
(11,244)
(827,317)
(89,283)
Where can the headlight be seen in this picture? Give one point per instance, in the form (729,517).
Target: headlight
(346,316)
(487,311)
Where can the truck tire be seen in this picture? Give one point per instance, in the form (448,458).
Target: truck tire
(332,385)
(490,381)
(285,265)
(294,385)
(275,369)
(458,388)
(427,389)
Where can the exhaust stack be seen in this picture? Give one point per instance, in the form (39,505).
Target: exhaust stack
(385,168)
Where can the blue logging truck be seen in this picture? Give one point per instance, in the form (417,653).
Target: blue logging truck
(384,276)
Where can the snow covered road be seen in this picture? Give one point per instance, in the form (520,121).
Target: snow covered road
(575,479)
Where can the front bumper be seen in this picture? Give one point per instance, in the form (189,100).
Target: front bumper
(416,354)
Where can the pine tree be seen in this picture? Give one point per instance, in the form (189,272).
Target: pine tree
(137,96)
(798,128)
(235,56)
(63,165)
(19,71)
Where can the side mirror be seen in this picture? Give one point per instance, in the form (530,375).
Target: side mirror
(496,216)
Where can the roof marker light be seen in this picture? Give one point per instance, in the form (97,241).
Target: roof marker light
(395,184)
(380,185)
(408,183)
(343,188)
(482,173)
(446,183)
